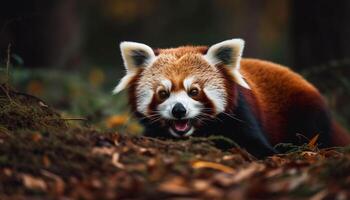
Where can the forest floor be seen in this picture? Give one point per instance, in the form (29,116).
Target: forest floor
(44,156)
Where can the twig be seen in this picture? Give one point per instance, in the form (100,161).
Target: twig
(4,88)
(73,118)
(8,64)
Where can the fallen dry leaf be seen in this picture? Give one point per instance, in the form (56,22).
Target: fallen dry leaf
(294,183)
(115,161)
(273,172)
(7,172)
(36,137)
(223,179)
(313,142)
(117,120)
(46,161)
(276,161)
(96,183)
(214,193)
(59,183)
(288,184)
(175,185)
(201,185)
(212,165)
(311,156)
(228,157)
(103,150)
(33,183)
(147,151)
(248,172)
(320,195)
(42,104)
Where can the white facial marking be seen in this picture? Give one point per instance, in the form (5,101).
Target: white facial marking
(188,83)
(167,84)
(217,96)
(145,94)
(193,107)
(144,98)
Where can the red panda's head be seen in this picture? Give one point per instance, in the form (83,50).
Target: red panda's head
(181,88)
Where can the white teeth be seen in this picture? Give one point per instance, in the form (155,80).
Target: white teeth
(189,133)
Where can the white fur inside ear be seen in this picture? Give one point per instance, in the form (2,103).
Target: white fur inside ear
(236,46)
(123,83)
(128,50)
(135,56)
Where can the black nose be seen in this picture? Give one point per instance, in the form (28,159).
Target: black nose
(179,111)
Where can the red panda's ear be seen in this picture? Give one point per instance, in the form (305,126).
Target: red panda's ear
(135,56)
(228,53)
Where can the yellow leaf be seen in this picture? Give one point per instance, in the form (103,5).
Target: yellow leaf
(134,128)
(117,120)
(313,142)
(211,165)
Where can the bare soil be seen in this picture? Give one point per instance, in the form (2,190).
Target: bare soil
(44,157)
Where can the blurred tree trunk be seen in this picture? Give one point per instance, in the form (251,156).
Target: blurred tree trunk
(320,32)
(44,33)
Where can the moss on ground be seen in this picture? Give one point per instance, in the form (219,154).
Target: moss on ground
(22,111)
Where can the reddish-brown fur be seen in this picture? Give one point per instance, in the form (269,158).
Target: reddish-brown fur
(275,91)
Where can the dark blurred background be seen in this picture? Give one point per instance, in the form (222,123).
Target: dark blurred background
(66,51)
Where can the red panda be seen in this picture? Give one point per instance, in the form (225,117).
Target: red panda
(199,91)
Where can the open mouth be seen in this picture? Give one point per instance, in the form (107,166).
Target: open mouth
(180,128)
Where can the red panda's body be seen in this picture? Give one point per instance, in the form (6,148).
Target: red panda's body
(200,91)
(284,99)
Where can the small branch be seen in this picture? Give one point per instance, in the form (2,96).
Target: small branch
(73,118)
(8,64)
(4,88)
(7,92)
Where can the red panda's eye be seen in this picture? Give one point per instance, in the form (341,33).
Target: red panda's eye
(193,92)
(163,94)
